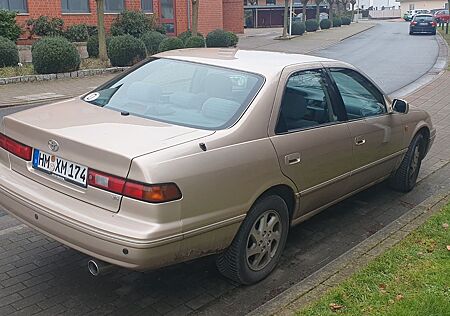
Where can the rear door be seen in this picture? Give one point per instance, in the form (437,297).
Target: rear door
(377,136)
(310,137)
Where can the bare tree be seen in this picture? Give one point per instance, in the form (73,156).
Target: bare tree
(195,5)
(102,52)
(304,4)
(330,13)
(318,2)
(353,2)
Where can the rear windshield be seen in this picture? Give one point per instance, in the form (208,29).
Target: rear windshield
(182,93)
(423,18)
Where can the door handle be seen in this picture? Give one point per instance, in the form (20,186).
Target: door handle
(292,159)
(359,141)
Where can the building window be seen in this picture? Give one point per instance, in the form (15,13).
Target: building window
(271,2)
(14,5)
(75,6)
(114,6)
(147,5)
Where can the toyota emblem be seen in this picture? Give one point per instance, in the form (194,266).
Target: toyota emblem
(53,145)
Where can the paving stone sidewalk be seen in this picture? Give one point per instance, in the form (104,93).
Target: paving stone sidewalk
(263,39)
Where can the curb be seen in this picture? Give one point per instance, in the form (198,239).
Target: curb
(314,286)
(433,73)
(74,74)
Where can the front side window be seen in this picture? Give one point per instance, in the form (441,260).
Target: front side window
(360,97)
(75,6)
(14,5)
(147,5)
(181,93)
(114,6)
(306,102)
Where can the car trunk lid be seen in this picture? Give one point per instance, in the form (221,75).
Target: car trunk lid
(91,136)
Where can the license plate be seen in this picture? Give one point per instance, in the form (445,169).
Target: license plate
(423,24)
(65,169)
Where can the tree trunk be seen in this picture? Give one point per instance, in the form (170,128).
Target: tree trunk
(330,13)
(353,12)
(304,3)
(102,52)
(318,11)
(285,20)
(195,17)
(338,5)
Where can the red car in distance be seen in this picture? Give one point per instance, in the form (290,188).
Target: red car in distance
(442,16)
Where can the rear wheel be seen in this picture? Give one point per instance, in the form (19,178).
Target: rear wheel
(404,179)
(411,33)
(257,247)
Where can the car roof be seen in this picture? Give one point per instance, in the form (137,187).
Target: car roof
(261,62)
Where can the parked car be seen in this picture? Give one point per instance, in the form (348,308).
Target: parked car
(442,16)
(422,24)
(203,151)
(411,13)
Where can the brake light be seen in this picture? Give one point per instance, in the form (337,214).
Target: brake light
(433,24)
(154,193)
(18,149)
(413,23)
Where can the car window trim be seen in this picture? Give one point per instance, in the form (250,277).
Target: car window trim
(331,93)
(341,100)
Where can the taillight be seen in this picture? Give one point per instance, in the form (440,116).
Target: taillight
(433,24)
(154,193)
(15,148)
(413,23)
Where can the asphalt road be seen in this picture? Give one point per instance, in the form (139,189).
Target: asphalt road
(388,54)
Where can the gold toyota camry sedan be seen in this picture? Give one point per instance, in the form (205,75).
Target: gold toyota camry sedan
(202,151)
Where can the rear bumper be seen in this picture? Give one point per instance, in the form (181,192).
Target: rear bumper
(43,209)
(422,30)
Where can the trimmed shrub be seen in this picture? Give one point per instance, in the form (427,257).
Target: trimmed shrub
(195,41)
(135,23)
(298,28)
(160,28)
(126,50)
(54,55)
(325,24)
(43,26)
(8,27)
(92,46)
(233,39)
(77,33)
(170,43)
(346,20)
(9,54)
(92,30)
(337,22)
(311,25)
(186,35)
(152,40)
(217,38)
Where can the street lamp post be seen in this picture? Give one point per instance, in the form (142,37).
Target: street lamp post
(290,18)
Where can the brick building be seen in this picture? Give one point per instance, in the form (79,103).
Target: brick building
(175,15)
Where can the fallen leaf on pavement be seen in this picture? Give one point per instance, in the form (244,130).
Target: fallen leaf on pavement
(445,225)
(335,307)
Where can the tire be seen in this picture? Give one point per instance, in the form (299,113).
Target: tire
(405,177)
(236,263)
(433,33)
(411,33)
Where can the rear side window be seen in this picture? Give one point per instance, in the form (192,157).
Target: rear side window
(360,97)
(182,93)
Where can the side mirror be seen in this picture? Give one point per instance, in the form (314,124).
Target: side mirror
(400,106)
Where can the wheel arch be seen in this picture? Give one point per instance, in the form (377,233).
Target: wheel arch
(425,131)
(284,191)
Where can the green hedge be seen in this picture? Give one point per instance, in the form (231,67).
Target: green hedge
(152,40)
(185,36)
(77,33)
(8,27)
(337,22)
(217,38)
(311,25)
(233,39)
(92,45)
(135,23)
(9,54)
(298,28)
(195,41)
(125,50)
(45,26)
(54,55)
(346,20)
(171,43)
(325,24)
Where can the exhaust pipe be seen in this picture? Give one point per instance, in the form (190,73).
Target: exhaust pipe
(96,267)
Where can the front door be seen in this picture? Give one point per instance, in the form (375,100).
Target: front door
(310,137)
(377,135)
